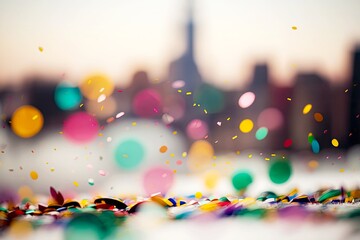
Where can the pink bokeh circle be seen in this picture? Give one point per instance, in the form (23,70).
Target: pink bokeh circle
(147,103)
(158,179)
(197,129)
(80,127)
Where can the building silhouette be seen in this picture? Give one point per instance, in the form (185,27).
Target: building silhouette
(354,118)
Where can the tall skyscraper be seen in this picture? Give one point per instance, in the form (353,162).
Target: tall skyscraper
(355,100)
(185,68)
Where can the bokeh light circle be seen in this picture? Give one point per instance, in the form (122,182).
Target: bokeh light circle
(147,103)
(158,179)
(103,109)
(271,118)
(315,146)
(210,98)
(89,226)
(246,125)
(80,127)
(318,117)
(197,129)
(67,97)
(261,133)
(335,142)
(241,180)
(129,154)
(280,171)
(95,85)
(211,179)
(200,155)
(27,121)
(246,100)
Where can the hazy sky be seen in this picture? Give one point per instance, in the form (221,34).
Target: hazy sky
(118,37)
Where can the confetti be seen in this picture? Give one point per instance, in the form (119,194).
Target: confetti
(287,143)
(102,173)
(335,142)
(76,184)
(34,175)
(198,195)
(218,123)
(163,149)
(178,84)
(315,146)
(101,98)
(307,109)
(41,49)
(120,114)
(91,181)
(318,117)
(294,28)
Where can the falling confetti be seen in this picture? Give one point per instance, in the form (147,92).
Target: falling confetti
(287,143)
(41,49)
(307,109)
(163,149)
(315,146)
(91,181)
(318,117)
(294,28)
(335,142)
(34,175)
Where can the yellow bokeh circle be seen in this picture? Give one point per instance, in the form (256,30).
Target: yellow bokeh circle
(95,85)
(246,126)
(27,121)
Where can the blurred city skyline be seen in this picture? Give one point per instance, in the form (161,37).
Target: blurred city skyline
(120,37)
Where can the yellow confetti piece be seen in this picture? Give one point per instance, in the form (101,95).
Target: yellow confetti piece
(205,111)
(81,105)
(179,91)
(307,108)
(184,154)
(76,184)
(172,155)
(289,99)
(234,137)
(61,133)
(228,118)
(34,175)
(335,142)
(188,93)
(250,156)
(194,105)
(342,170)
(174,171)
(133,123)
(318,117)
(167,162)
(174,132)
(198,195)
(41,49)
(52,169)
(35,117)
(267,159)
(294,28)
(237,152)
(313,164)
